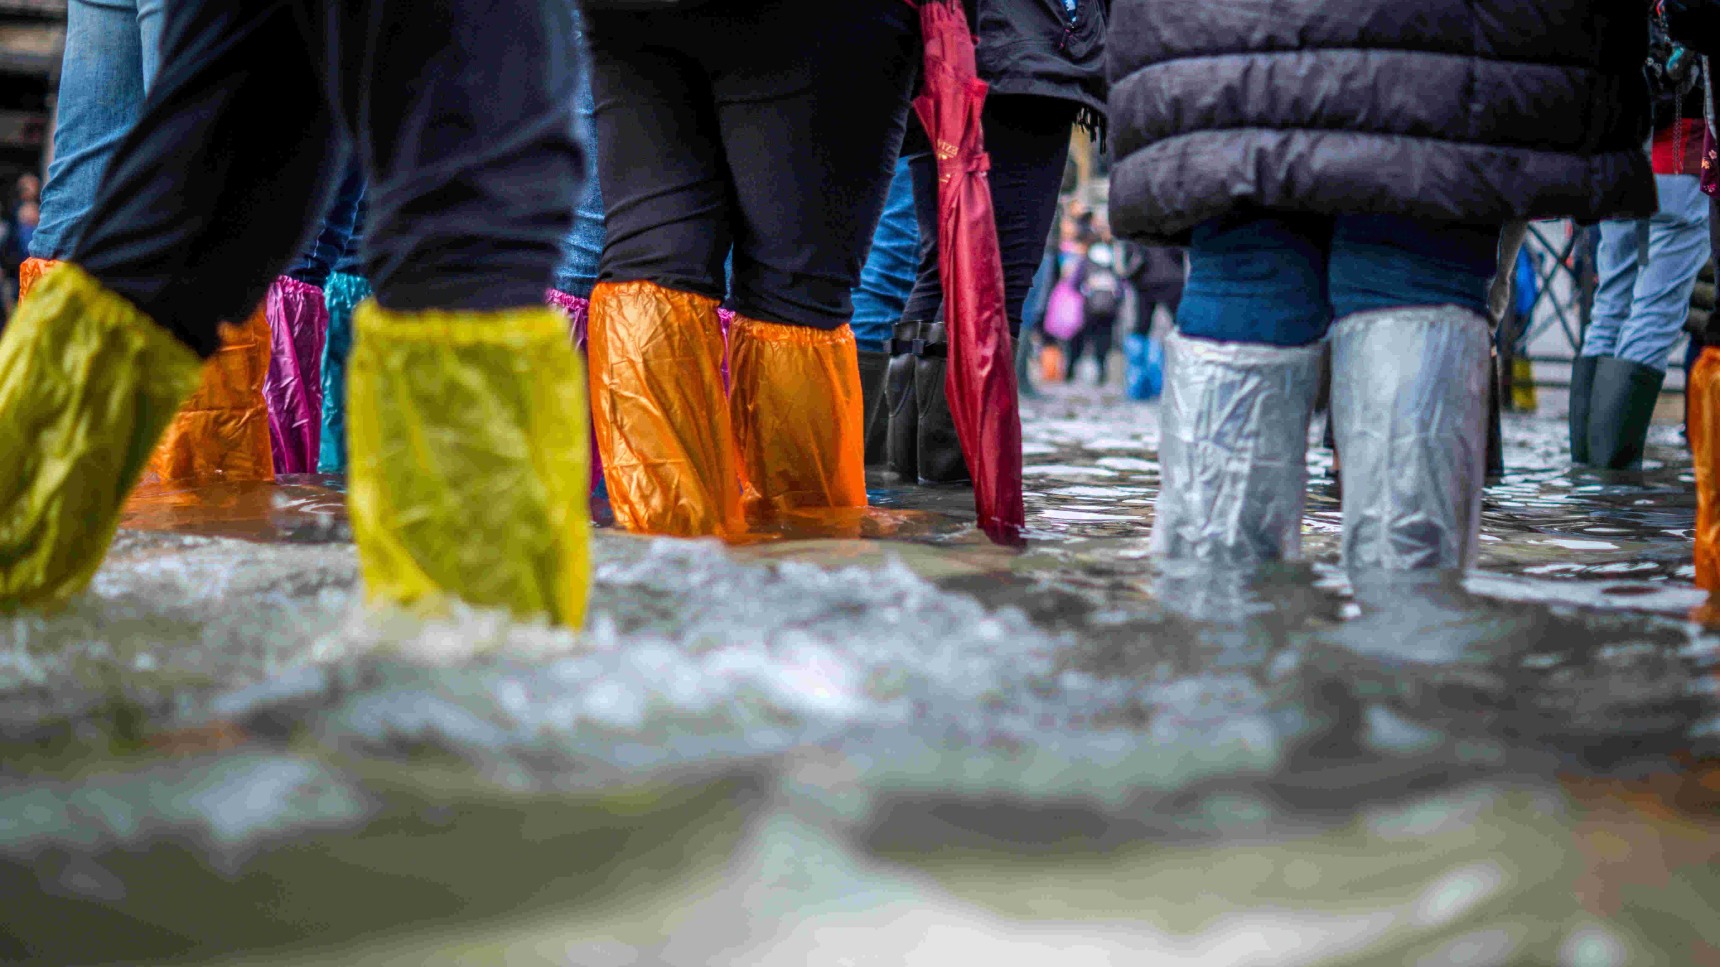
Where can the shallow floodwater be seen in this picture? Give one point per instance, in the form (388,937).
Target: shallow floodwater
(884,740)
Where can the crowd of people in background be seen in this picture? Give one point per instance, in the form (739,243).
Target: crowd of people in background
(1308,204)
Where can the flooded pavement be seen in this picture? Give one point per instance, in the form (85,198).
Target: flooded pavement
(883,740)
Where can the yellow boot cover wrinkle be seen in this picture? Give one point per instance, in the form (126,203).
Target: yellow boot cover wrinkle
(468,467)
(662,419)
(87,384)
(798,412)
(31,272)
(222,431)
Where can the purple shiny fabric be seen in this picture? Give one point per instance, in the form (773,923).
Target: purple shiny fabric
(578,312)
(298,327)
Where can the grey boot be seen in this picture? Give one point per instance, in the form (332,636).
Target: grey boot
(1621,408)
(1582,391)
(874,367)
(901,408)
(1409,393)
(940,449)
(1233,442)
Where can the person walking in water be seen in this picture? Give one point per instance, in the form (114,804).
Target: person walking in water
(1340,172)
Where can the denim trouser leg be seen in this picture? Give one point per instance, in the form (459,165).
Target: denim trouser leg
(113,49)
(891,267)
(583,247)
(323,255)
(1640,309)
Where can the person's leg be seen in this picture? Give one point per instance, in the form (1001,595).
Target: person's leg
(110,345)
(1617,258)
(466,409)
(1241,374)
(100,98)
(1102,337)
(811,135)
(1411,370)
(656,343)
(1627,385)
(886,281)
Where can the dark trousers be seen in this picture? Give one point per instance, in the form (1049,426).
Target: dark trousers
(1095,337)
(337,233)
(765,128)
(1028,141)
(461,112)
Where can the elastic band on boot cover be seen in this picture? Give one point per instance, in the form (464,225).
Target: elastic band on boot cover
(341,296)
(1703,389)
(222,431)
(661,414)
(1233,444)
(798,416)
(1409,394)
(578,313)
(468,470)
(298,326)
(87,383)
(31,272)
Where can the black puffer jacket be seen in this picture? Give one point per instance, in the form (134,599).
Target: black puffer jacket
(1030,47)
(1456,110)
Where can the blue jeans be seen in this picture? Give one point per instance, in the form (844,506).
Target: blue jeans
(1282,279)
(891,267)
(1640,309)
(113,50)
(583,246)
(336,235)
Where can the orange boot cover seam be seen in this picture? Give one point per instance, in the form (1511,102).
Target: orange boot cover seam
(1704,390)
(658,405)
(31,272)
(799,416)
(222,431)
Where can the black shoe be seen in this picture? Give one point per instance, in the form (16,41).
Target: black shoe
(874,367)
(1582,391)
(901,414)
(940,450)
(1620,410)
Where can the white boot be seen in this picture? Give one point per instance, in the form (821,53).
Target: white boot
(1409,394)
(1233,443)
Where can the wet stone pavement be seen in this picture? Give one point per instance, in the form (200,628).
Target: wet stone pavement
(883,740)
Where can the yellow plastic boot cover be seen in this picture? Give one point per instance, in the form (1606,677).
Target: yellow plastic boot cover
(661,415)
(31,272)
(222,432)
(467,472)
(87,383)
(798,412)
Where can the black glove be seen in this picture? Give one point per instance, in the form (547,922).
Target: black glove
(1695,24)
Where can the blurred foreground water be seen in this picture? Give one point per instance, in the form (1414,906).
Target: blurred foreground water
(882,740)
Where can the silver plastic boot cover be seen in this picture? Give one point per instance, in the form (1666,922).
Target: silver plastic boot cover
(1409,397)
(1233,448)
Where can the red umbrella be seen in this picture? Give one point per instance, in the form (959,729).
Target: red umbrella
(980,377)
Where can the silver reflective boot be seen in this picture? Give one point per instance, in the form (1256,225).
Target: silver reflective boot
(1233,444)
(1409,394)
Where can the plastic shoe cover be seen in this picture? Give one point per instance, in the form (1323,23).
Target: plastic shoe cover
(1703,389)
(468,470)
(341,296)
(222,431)
(1620,411)
(1409,396)
(1582,391)
(798,416)
(31,272)
(298,325)
(1233,450)
(87,383)
(661,415)
(578,313)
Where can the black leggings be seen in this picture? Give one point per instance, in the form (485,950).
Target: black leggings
(765,128)
(1027,138)
(462,113)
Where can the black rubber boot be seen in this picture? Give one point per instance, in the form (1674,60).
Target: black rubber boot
(901,414)
(874,367)
(1582,391)
(1620,410)
(940,450)
(1495,433)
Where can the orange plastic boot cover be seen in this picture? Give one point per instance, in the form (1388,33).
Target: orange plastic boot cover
(659,409)
(1704,397)
(798,412)
(222,431)
(31,272)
